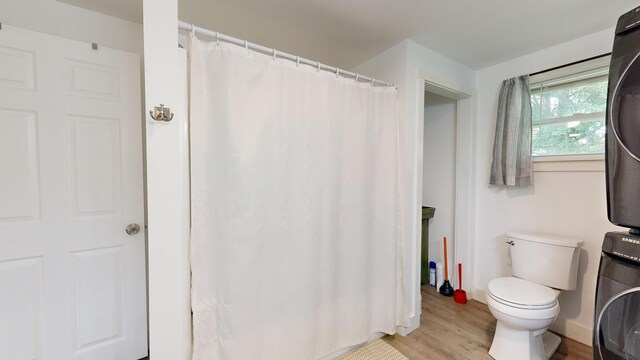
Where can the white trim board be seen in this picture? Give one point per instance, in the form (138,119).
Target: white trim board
(167,171)
(443,87)
(573,330)
(569,166)
(479,295)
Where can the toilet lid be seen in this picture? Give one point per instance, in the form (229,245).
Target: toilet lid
(522,292)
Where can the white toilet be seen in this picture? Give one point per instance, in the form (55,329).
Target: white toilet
(526,304)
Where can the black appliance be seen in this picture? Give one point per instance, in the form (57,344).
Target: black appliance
(617,315)
(623,125)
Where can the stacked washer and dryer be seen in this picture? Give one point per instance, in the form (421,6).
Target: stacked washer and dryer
(617,313)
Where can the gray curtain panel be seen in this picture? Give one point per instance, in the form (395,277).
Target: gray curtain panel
(512,145)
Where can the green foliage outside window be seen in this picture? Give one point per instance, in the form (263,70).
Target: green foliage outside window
(569,120)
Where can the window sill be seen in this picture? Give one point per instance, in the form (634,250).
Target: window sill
(574,163)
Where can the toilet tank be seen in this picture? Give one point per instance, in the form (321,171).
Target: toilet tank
(545,259)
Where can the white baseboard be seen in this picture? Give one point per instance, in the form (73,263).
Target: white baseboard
(573,330)
(470,293)
(479,295)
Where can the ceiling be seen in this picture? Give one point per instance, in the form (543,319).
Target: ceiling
(347,32)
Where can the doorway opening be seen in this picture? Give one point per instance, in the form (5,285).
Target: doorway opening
(439,174)
(446,168)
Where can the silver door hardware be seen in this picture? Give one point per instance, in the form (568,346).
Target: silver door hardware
(132,229)
(510,242)
(161,113)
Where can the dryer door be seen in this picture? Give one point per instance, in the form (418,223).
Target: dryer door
(617,320)
(618,324)
(617,315)
(625,122)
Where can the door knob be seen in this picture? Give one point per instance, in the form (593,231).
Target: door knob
(132,229)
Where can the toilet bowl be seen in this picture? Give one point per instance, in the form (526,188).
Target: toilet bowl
(524,311)
(526,304)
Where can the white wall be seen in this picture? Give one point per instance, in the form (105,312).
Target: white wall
(567,203)
(404,64)
(52,17)
(390,65)
(439,173)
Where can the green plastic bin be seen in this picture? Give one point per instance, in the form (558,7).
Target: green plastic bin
(427,213)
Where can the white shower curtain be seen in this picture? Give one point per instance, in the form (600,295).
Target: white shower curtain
(295,223)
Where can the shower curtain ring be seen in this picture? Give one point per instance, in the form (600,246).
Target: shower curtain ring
(246,45)
(275,54)
(217,38)
(297,61)
(357,76)
(337,72)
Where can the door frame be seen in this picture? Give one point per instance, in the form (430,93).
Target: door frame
(465,99)
(167,170)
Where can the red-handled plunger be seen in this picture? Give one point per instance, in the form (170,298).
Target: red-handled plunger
(460,296)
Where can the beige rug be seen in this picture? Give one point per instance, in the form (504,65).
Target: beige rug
(375,350)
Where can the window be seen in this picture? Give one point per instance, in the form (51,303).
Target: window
(568,109)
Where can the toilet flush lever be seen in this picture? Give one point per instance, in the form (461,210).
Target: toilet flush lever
(510,242)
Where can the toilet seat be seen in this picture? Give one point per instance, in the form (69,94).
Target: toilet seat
(522,294)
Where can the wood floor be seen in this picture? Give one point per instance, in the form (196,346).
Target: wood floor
(461,331)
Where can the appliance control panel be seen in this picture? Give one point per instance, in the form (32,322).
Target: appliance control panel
(628,21)
(622,245)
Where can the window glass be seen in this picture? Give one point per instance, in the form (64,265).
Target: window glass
(569,113)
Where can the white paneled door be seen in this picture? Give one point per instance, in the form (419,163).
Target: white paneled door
(72,281)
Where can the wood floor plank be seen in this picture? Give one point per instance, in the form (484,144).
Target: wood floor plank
(462,331)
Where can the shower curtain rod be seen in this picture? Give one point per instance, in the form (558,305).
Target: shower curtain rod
(265,50)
